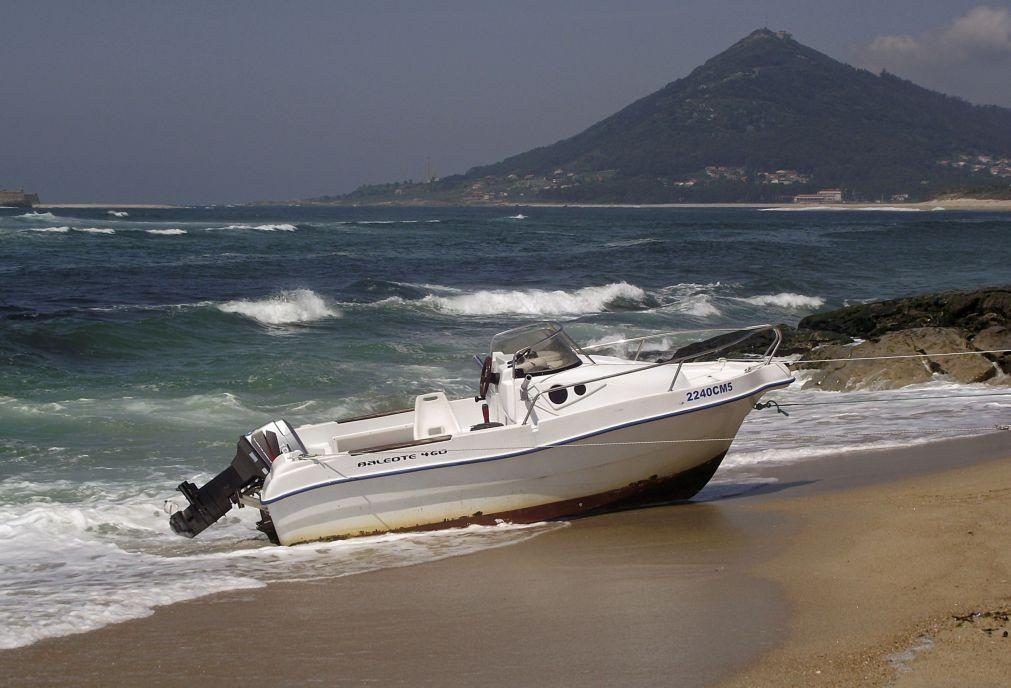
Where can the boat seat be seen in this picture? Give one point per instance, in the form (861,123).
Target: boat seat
(433,416)
(543,360)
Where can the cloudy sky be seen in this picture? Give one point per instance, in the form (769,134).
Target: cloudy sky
(237,101)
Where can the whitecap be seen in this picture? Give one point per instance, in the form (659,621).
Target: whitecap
(786,299)
(430,287)
(57,230)
(265,228)
(540,301)
(167,232)
(117,213)
(633,242)
(295,306)
(33,216)
(518,216)
(95,230)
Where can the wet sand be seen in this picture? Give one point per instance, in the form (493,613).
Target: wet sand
(833,567)
(875,577)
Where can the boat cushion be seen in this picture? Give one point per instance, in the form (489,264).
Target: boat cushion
(433,416)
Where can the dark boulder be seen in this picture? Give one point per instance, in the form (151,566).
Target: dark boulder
(969,311)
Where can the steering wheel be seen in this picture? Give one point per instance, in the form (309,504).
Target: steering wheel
(482,390)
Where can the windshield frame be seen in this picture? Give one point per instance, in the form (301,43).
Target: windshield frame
(540,333)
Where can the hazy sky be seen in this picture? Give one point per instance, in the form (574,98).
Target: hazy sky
(236,101)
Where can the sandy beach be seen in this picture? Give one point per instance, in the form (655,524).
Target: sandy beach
(831,575)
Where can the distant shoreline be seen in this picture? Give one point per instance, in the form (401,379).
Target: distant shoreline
(999,205)
(111,206)
(951,204)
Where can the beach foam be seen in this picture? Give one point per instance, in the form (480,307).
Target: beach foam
(798,209)
(882,419)
(77,557)
(874,208)
(287,307)
(891,209)
(617,295)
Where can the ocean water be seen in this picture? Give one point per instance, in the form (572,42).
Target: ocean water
(135,349)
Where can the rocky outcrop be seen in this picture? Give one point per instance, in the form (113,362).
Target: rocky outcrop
(919,326)
(969,311)
(845,371)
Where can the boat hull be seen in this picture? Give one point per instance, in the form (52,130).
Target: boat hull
(669,457)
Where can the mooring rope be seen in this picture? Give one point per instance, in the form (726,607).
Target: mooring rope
(885,358)
(772,403)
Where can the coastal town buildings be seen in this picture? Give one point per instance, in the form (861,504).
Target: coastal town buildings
(823,196)
(992,164)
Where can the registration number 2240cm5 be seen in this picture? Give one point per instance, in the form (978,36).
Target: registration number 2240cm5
(713,391)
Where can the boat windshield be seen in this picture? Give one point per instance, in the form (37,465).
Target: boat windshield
(537,349)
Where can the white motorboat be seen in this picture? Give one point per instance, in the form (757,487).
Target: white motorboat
(556,430)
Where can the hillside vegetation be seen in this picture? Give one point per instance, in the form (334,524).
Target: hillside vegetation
(764,120)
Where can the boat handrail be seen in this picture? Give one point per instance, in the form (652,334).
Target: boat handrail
(749,332)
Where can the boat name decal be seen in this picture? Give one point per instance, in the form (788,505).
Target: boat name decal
(697,394)
(397,459)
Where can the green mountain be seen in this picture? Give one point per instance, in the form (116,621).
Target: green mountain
(764,120)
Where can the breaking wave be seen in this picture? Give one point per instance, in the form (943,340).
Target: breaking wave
(95,230)
(698,305)
(40,217)
(609,297)
(287,307)
(168,232)
(786,300)
(57,230)
(117,213)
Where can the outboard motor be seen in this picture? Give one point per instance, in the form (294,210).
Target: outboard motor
(254,456)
